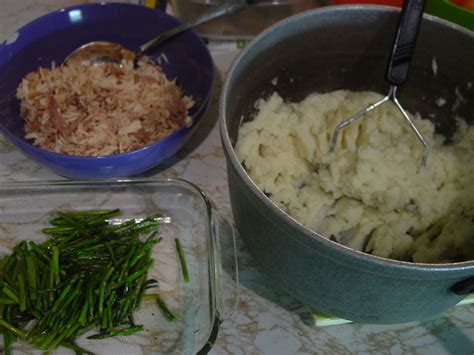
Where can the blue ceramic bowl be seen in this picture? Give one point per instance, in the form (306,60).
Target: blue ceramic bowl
(55,35)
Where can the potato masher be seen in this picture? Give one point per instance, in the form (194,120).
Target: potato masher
(397,69)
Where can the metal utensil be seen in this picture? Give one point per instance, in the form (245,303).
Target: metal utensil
(100,51)
(397,70)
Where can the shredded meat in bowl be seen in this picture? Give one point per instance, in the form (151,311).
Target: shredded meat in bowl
(104,109)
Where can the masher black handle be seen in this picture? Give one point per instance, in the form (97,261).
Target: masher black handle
(404,44)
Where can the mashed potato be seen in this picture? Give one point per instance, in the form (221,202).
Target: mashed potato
(371,194)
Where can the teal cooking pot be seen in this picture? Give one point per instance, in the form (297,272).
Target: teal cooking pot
(345,48)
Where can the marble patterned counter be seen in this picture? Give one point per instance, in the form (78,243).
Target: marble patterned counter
(267,321)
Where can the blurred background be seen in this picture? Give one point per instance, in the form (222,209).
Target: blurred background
(250,22)
(239,27)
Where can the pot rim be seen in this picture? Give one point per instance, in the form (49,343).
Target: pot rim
(306,232)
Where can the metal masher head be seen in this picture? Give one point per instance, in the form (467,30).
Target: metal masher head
(397,70)
(392,95)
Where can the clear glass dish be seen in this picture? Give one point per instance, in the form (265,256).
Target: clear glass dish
(199,305)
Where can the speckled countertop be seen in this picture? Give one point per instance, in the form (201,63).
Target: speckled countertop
(267,321)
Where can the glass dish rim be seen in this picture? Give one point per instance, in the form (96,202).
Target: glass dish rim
(213,280)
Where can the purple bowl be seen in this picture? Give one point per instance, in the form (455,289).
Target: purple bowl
(55,35)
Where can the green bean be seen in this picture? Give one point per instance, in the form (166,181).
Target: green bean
(103,321)
(64,335)
(124,311)
(83,315)
(182,260)
(11,261)
(146,247)
(39,252)
(101,218)
(59,230)
(9,291)
(91,212)
(42,285)
(88,273)
(137,292)
(122,226)
(7,342)
(127,264)
(63,295)
(137,274)
(77,349)
(90,300)
(84,329)
(55,265)
(128,331)
(72,296)
(9,336)
(4,301)
(102,288)
(31,271)
(164,309)
(112,254)
(47,340)
(4,324)
(68,217)
(22,297)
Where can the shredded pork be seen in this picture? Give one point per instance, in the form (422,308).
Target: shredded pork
(102,109)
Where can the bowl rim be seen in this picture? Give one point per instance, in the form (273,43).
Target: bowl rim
(305,232)
(198,111)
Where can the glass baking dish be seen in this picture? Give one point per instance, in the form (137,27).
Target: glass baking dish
(199,305)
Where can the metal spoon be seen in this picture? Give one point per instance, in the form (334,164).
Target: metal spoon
(100,51)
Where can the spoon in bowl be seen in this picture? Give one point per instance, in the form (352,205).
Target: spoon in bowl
(102,51)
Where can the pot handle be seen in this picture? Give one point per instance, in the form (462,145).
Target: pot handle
(226,266)
(464,287)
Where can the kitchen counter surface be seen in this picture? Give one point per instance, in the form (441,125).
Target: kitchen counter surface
(267,321)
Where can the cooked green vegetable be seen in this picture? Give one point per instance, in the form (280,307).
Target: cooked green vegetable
(182,260)
(164,308)
(88,274)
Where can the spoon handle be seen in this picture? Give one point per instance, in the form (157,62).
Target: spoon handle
(404,43)
(225,9)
